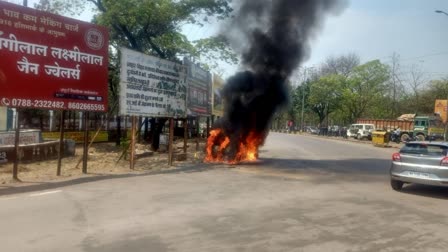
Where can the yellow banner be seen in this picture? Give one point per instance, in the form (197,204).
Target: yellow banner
(77,136)
(441,108)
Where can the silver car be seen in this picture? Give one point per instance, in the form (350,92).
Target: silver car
(420,163)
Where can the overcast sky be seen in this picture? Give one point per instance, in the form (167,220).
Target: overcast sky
(374,29)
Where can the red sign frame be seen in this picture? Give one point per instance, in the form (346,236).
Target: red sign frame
(51,62)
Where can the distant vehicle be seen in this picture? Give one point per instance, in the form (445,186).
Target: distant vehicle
(334,130)
(361,131)
(424,127)
(420,163)
(311,130)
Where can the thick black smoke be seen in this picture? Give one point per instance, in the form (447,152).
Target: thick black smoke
(277,34)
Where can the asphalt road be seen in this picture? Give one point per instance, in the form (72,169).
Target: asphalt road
(305,194)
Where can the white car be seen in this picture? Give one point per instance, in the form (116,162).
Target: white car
(360,131)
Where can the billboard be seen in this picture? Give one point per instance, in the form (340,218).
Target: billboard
(440,108)
(51,62)
(151,87)
(217,99)
(199,86)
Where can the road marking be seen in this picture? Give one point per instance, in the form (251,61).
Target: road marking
(44,193)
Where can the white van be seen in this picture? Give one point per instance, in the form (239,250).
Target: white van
(360,131)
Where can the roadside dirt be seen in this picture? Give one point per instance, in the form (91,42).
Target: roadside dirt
(103,159)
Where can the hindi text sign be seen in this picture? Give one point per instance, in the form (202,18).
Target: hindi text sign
(51,62)
(199,83)
(151,87)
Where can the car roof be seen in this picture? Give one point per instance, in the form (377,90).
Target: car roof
(441,143)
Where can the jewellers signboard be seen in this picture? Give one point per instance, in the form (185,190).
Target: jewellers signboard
(199,90)
(151,87)
(51,62)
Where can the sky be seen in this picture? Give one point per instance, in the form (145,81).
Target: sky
(372,29)
(375,29)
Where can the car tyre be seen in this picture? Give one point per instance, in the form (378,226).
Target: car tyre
(396,184)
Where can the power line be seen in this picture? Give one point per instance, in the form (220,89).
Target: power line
(416,57)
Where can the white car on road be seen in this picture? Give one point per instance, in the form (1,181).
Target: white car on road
(360,131)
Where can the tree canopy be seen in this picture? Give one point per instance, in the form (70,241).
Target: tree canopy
(341,90)
(155,26)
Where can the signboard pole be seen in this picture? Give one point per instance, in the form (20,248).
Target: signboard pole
(132,145)
(61,142)
(170,143)
(86,142)
(15,169)
(185,134)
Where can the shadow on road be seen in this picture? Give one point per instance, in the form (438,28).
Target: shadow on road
(367,166)
(92,177)
(437,192)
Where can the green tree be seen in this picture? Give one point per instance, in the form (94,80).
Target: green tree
(325,95)
(299,98)
(364,87)
(436,90)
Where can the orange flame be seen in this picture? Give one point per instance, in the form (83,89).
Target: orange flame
(217,144)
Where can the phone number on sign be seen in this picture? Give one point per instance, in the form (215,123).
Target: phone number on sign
(86,106)
(37,103)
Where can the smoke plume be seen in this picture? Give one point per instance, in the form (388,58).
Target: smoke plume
(273,37)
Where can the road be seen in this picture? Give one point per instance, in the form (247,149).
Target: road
(305,194)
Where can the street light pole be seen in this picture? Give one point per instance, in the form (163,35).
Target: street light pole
(446,104)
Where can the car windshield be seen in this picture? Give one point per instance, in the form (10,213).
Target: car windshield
(424,149)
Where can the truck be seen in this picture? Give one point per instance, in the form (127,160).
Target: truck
(419,127)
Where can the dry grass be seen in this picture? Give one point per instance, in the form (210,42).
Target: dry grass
(103,159)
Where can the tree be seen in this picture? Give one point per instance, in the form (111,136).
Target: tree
(365,86)
(395,86)
(325,95)
(153,27)
(416,81)
(342,65)
(437,89)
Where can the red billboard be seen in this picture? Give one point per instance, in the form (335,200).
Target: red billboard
(51,62)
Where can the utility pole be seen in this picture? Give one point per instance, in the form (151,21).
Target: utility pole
(446,104)
(25,3)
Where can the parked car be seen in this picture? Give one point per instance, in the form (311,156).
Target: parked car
(420,163)
(361,131)
(311,129)
(334,130)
